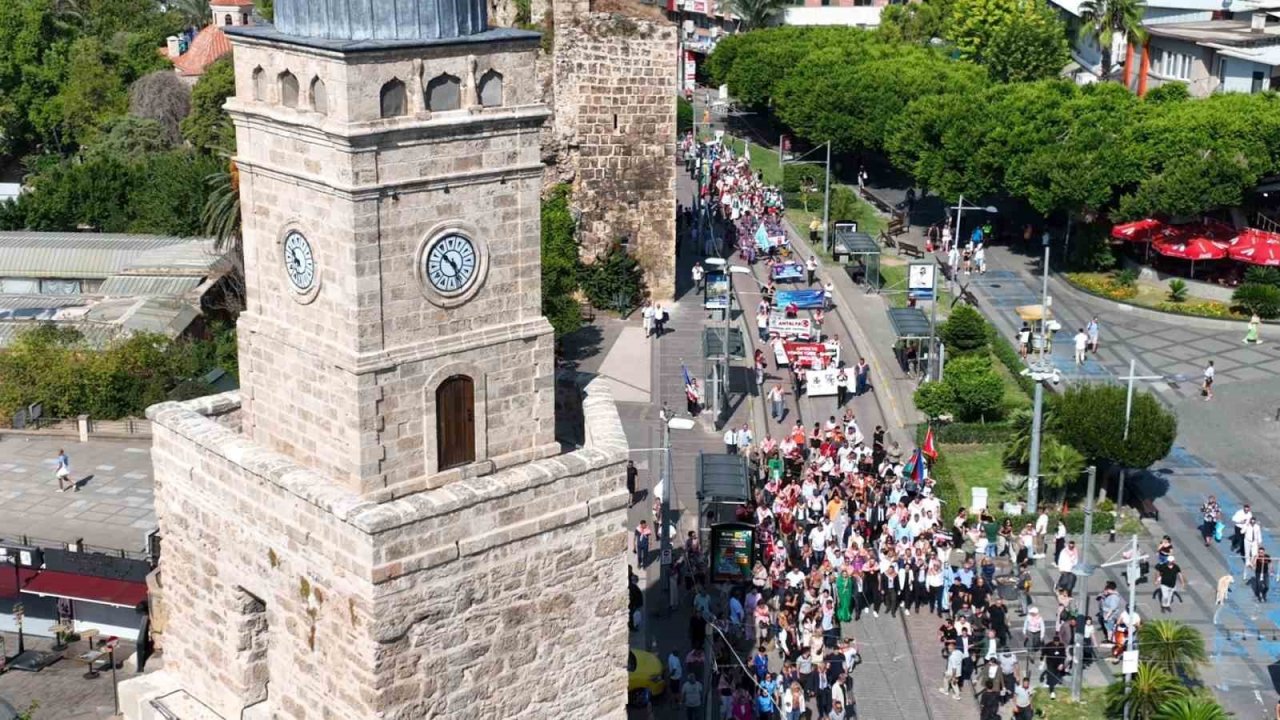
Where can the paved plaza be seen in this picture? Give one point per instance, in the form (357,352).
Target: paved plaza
(61,691)
(113,508)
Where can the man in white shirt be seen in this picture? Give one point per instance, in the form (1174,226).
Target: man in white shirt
(951,676)
(1209,374)
(1082,342)
(1240,520)
(731,441)
(818,541)
(692,694)
(1066,563)
(675,670)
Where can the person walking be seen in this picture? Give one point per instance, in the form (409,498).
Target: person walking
(632,474)
(659,320)
(1209,372)
(811,265)
(762,326)
(744,439)
(646,318)
(951,675)
(842,386)
(1092,331)
(776,408)
(1055,665)
(862,375)
(1261,575)
(643,535)
(1170,579)
(814,226)
(691,692)
(731,440)
(1251,335)
(62,471)
(1022,709)
(1240,520)
(1210,516)
(1252,543)
(1024,340)
(1082,343)
(698,276)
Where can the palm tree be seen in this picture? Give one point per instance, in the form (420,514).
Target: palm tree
(1175,647)
(221,213)
(1152,687)
(754,14)
(1102,19)
(1192,708)
(1060,464)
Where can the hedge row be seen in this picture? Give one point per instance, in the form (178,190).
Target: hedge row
(964,433)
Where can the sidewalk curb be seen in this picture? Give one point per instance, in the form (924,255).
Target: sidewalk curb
(1067,288)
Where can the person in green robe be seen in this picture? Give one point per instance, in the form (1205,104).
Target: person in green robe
(844,589)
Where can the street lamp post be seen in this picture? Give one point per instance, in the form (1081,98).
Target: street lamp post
(1083,570)
(722,382)
(935,368)
(826,196)
(668,424)
(1043,369)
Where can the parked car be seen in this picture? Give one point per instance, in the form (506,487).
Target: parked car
(645,677)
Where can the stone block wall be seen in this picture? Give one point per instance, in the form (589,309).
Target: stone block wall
(615,132)
(500,596)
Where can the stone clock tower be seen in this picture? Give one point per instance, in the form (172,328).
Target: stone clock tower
(380,523)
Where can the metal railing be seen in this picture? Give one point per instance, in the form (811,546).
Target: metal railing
(77,546)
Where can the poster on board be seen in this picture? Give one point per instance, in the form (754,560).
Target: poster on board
(820,383)
(732,551)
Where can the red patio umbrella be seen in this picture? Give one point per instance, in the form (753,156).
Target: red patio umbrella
(1190,247)
(1138,230)
(1256,247)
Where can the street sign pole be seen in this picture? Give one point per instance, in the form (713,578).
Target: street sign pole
(1077,667)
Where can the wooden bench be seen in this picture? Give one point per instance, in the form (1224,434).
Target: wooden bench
(897,226)
(887,240)
(906,248)
(1147,509)
(588,312)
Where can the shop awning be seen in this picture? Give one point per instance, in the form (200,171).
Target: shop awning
(105,591)
(10,583)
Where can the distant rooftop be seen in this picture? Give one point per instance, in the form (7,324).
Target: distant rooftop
(105,286)
(1234,33)
(99,256)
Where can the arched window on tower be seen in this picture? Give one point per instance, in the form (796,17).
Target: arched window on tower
(444,92)
(455,422)
(288,89)
(226,19)
(491,89)
(259,85)
(319,101)
(393,99)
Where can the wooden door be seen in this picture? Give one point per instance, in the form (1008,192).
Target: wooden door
(455,422)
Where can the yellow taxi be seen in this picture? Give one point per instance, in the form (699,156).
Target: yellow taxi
(645,677)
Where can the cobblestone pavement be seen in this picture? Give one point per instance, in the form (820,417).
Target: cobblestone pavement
(61,690)
(113,508)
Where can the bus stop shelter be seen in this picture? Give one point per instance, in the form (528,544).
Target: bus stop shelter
(723,487)
(913,332)
(860,254)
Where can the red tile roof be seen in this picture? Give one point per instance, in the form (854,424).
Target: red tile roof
(210,44)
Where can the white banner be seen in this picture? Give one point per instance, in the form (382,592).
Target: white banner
(790,327)
(820,382)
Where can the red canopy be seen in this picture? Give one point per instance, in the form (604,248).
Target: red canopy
(10,583)
(1138,230)
(121,593)
(1256,247)
(1193,248)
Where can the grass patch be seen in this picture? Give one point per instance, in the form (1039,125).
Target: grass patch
(1090,707)
(893,278)
(1015,398)
(970,466)
(762,159)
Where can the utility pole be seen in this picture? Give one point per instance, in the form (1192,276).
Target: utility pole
(664,538)
(1132,635)
(1128,410)
(1083,570)
(935,367)
(1037,411)
(826,204)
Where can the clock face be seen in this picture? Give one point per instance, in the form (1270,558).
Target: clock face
(299,262)
(450,264)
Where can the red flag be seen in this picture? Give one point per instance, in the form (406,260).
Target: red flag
(928,448)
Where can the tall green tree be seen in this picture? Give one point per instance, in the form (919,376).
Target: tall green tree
(1090,418)
(917,22)
(1016,39)
(208,127)
(1151,688)
(1175,647)
(1104,20)
(560,265)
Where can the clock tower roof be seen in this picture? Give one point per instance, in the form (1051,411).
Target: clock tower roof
(375,24)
